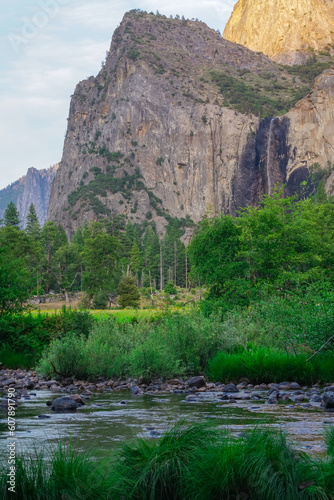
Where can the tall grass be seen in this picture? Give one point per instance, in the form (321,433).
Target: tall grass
(196,462)
(12,359)
(177,345)
(271,365)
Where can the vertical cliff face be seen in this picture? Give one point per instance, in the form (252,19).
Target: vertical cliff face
(11,193)
(163,130)
(284,30)
(168,128)
(36,190)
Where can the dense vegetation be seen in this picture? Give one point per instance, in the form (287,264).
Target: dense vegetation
(266,94)
(188,462)
(35,261)
(267,309)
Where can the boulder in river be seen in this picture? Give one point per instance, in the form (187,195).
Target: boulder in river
(231,388)
(64,404)
(136,391)
(328,400)
(197,382)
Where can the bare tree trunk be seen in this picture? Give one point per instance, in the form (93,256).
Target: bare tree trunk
(175,262)
(67,297)
(152,301)
(89,301)
(161,273)
(186,271)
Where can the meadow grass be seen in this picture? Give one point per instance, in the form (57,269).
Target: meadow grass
(121,315)
(189,462)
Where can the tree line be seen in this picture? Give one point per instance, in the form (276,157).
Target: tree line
(38,259)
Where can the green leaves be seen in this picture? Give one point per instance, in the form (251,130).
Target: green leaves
(281,246)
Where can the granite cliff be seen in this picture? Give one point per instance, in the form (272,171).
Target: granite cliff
(285,30)
(34,187)
(177,122)
(36,190)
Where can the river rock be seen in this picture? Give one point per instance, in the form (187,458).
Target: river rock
(294,386)
(49,383)
(316,398)
(30,384)
(273,392)
(231,388)
(91,387)
(284,385)
(329,389)
(197,382)
(63,404)
(328,400)
(299,398)
(136,391)
(77,399)
(43,416)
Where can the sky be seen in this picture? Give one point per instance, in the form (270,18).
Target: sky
(46,48)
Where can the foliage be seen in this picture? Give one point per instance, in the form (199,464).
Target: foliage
(128,293)
(298,322)
(100,300)
(11,217)
(170,288)
(33,227)
(280,247)
(14,283)
(178,344)
(27,335)
(99,256)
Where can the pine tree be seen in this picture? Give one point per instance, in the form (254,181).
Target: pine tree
(11,217)
(33,227)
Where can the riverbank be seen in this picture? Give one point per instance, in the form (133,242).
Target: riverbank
(23,381)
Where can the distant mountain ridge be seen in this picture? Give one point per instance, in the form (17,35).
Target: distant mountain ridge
(34,187)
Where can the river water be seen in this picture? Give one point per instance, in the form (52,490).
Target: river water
(106,420)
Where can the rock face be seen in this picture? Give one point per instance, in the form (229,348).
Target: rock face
(285,29)
(37,191)
(303,139)
(154,136)
(11,193)
(34,187)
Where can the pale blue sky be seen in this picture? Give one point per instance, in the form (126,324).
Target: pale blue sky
(46,48)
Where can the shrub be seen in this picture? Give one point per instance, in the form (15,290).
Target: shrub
(128,293)
(179,344)
(170,288)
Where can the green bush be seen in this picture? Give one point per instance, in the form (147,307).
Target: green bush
(170,288)
(179,344)
(27,335)
(128,293)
